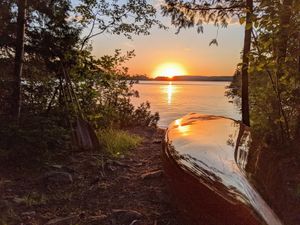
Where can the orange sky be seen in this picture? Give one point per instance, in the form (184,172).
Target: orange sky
(188,48)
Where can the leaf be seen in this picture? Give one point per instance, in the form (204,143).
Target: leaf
(213,42)
(200,29)
(242,20)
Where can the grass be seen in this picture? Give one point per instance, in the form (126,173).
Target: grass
(34,199)
(118,142)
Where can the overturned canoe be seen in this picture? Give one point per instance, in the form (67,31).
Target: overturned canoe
(205,158)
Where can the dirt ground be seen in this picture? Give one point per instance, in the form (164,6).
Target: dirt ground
(89,188)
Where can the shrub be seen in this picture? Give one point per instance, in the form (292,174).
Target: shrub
(143,116)
(35,140)
(118,142)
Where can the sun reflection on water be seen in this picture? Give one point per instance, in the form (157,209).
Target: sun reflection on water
(182,129)
(170,92)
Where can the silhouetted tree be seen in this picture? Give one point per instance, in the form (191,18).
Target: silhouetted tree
(274,70)
(19,53)
(132,17)
(245,65)
(187,14)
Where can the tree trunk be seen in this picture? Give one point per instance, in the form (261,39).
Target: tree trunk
(283,34)
(282,46)
(299,53)
(298,111)
(246,51)
(16,95)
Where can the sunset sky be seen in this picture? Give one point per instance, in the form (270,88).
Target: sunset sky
(188,48)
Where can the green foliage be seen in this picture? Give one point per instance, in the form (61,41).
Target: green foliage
(62,80)
(234,89)
(36,139)
(104,90)
(143,117)
(118,142)
(132,17)
(194,13)
(275,83)
(274,72)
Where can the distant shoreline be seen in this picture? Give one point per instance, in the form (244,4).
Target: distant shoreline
(185,78)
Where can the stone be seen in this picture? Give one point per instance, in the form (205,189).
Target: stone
(59,177)
(31,213)
(60,220)
(126,214)
(97,218)
(133,222)
(152,174)
(18,200)
(157,141)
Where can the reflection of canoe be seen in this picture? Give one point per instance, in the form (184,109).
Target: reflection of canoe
(204,158)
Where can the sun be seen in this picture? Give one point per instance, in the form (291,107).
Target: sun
(170,70)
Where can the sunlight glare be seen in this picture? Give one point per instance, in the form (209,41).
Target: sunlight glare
(170,70)
(170,92)
(184,130)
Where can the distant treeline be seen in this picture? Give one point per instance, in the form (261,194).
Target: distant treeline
(185,78)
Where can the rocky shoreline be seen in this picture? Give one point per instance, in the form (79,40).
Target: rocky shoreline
(89,188)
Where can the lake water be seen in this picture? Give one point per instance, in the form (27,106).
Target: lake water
(178,98)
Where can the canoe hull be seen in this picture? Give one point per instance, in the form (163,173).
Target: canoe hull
(198,204)
(205,159)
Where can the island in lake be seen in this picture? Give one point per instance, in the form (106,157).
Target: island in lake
(184,78)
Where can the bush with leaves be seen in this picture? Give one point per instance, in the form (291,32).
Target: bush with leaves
(58,63)
(274,88)
(104,91)
(36,141)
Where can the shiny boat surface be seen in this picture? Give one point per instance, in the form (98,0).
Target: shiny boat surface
(205,158)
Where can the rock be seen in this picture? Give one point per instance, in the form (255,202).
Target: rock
(61,168)
(139,164)
(133,222)
(118,163)
(152,174)
(56,166)
(60,220)
(111,168)
(97,218)
(156,141)
(18,200)
(31,213)
(59,177)
(128,212)
(126,216)
(4,181)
